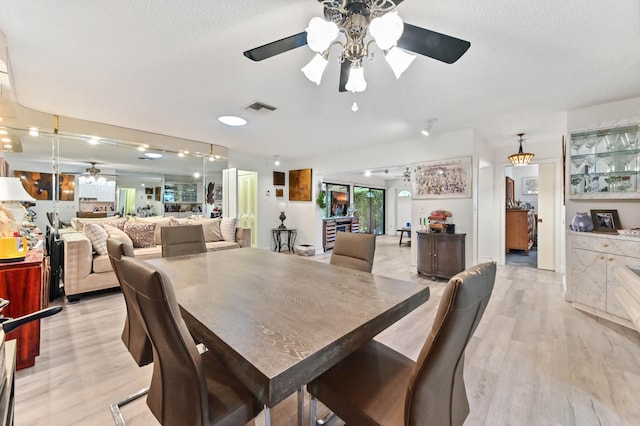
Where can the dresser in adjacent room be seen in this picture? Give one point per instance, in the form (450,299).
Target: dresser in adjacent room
(519,230)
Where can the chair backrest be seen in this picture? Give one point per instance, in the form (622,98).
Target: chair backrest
(133,335)
(182,239)
(178,391)
(436,393)
(354,250)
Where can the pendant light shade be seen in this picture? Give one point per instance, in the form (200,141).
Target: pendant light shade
(521,158)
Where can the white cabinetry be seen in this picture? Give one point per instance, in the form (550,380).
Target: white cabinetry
(592,281)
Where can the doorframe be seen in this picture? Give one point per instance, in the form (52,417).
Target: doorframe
(558,211)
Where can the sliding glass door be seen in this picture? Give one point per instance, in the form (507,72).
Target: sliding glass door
(369,203)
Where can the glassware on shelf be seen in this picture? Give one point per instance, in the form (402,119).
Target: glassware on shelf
(591,143)
(577,163)
(593,184)
(577,143)
(613,182)
(591,161)
(575,181)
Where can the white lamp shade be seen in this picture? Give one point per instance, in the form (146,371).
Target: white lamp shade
(356,82)
(282,206)
(11,189)
(398,60)
(320,34)
(386,30)
(314,69)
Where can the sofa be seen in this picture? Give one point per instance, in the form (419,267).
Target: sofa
(86,265)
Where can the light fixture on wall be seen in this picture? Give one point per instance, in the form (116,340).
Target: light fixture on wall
(521,158)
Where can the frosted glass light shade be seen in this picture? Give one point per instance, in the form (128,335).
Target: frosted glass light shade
(398,60)
(11,189)
(282,206)
(320,34)
(315,68)
(356,82)
(386,30)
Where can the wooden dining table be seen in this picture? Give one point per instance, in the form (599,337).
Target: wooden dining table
(278,321)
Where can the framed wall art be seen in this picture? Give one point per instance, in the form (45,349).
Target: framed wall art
(442,179)
(530,185)
(300,185)
(278,178)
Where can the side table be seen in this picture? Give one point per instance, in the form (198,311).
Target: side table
(288,240)
(21,284)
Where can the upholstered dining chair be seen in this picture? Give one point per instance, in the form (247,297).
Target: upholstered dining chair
(354,250)
(187,388)
(134,336)
(379,386)
(182,239)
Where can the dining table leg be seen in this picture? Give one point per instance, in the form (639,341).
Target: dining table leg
(301,406)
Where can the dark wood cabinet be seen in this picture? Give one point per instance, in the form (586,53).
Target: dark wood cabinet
(333,225)
(21,284)
(440,255)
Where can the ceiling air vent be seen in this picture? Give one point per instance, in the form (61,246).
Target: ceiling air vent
(260,107)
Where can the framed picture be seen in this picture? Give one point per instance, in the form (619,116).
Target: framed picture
(300,185)
(279,192)
(530,185)
(442,179)
(278,178)
(605,220)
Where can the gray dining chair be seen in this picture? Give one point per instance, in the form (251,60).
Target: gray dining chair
(182,240)
(376,385)
(354,250)
(187,388)
(134,336)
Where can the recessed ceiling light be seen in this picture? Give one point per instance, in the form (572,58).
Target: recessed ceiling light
(141,148)
(5,140)
(152,155)
(93,141)
(367,173)
(232,120)
(181,154)
(33,131)
(186,152)
(3,132)
(196,175)
(8,146)
(212,158)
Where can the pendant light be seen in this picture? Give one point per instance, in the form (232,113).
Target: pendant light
(521,158)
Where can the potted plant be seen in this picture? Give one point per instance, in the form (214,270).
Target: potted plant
(321,201)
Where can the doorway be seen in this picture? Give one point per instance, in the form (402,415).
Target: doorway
(530,216)
(370,207)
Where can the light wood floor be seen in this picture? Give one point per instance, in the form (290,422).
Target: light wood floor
(534,360)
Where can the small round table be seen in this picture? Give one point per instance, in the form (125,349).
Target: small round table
(288,241)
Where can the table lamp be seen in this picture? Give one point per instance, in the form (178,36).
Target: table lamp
(282,207)
(11,193)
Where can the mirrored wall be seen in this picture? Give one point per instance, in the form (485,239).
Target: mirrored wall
(78,175)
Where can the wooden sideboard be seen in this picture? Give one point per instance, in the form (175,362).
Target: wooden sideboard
(22,284)
(440,255)
(519,230)
(333,225)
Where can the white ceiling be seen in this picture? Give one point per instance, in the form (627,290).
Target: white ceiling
(173,67)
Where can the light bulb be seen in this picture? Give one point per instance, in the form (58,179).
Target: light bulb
(315,68)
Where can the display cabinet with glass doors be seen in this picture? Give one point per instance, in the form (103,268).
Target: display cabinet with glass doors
(604,163)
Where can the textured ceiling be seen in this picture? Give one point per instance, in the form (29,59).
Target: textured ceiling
(173,67)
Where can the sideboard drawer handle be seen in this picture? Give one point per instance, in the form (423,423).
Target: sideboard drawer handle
(605,245)
(600,257)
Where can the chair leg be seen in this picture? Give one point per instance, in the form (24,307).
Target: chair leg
(312,411)
(267,416)
(118,419)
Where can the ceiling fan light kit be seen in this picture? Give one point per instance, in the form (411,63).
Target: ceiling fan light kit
(363,22)
(521,158)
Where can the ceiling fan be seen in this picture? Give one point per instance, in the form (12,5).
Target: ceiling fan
(356,19)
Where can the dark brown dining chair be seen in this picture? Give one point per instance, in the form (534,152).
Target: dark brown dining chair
(354,250)
(187,388)
(379,386)
(134,336)
(182,239)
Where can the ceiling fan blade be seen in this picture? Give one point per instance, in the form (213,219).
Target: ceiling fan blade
(432,44)
(345,67)
(277,47)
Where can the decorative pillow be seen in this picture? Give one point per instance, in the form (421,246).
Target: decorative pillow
(228,228)
(98,237)
(113,221)
(212,230)
(184,221)
(160,221)
(117,234)
(141,234)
